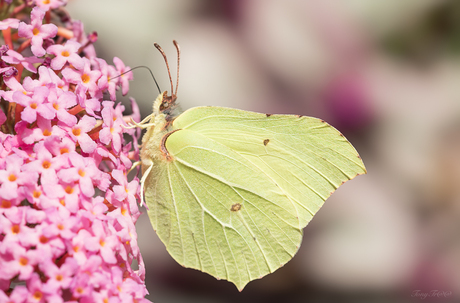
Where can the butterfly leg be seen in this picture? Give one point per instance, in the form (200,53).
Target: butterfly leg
(144,177)
(135,164)
(143,124)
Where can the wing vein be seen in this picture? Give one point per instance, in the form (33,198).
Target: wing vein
(177,213)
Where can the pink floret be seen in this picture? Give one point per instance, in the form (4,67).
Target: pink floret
(37,31)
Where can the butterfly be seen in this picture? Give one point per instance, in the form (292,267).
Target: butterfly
(229,191)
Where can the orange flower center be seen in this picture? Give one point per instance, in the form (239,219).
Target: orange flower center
(43,239)
(36,31)
(76,132)
(12,178)
(5,204)
(59,277)
(36,194)
(64,150)
(81,172)
(46,164)
(69,189)
(15,229)
(46,133)
(33,105)
(85,78)
(65,53)
(38,295)
(23,261)
(101,242)
(56,106)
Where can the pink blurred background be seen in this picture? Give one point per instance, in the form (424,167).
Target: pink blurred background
(384,72)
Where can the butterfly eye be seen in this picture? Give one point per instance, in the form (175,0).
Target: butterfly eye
(164,105)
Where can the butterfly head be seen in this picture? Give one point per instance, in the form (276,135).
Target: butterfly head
(169,107)
(168,102)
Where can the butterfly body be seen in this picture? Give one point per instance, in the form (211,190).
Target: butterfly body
(230,191)
(163,113)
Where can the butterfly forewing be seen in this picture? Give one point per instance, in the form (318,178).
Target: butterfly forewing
(305,157)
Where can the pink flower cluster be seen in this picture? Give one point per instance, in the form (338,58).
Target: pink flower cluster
(67,209)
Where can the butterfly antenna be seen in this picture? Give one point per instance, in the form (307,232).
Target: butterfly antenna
(167,65)
(153,77)
(178,64)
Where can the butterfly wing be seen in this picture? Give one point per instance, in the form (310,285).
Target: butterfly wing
(241,186)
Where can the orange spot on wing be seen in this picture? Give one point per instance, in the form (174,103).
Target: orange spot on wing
(163,148)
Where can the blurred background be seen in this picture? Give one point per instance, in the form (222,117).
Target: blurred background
(386,73)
